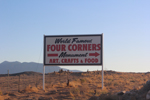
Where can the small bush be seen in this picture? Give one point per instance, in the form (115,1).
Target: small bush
(74,83)
(88,80)
(31,89)
(108,83)
(75,91)
(60,85)
(61,70)
(56,73)
(116,84)
(132,81)
(71,94)
(82,80)
(99,85)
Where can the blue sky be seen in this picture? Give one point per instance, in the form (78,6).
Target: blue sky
(125,25)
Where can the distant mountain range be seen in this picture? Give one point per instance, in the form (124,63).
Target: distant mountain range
(17,67)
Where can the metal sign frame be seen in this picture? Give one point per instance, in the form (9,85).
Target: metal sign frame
(48,37)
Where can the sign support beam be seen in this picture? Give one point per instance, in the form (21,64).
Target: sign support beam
(43,77)
(43,67)
(102,60)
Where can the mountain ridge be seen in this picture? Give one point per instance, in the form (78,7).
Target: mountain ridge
(17,67)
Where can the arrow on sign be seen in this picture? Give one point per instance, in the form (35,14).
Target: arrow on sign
(94,54)
(52,55)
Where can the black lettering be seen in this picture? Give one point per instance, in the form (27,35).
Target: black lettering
(64,54)
(74,39)
(62,41)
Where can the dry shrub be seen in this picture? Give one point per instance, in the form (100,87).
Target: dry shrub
(56,73)
(84,88)
(61,85)
(109,77)
(90,92)
(31,89)
(57,85)
(39,87)
(82,81)
(71,84)
(50,86)
(71,94)
(74,84)
(111,87)
(75,91)
(101,91)
(104,91)
(88,80)
(83,74)
(28,88)
(116,84)
(99,86)
(97,92)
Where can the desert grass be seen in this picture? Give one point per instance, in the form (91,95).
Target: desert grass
(0,92)
(81,84)
(29,88)
(1,97)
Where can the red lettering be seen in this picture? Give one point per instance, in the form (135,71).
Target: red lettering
(70,60)
(58,47)
(53,48)
(91,60)
(89,47)
(48,47)
(53,61)
(63,48)
(84,47)
(74,47)
(79,47)
(93,46)
(50,61)
(98,45)
(69,47)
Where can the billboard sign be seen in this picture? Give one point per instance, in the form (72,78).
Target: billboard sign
(73,50)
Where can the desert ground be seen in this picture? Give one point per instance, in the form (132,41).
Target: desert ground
(81,86)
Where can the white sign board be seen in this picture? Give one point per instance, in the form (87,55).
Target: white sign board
(73,50)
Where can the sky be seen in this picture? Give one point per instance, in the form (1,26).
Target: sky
(124,23)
